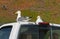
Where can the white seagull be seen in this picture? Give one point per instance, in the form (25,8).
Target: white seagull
(38,19)
(19,18)
(18,15)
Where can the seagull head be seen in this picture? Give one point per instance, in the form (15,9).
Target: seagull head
(38,17)
(18,12)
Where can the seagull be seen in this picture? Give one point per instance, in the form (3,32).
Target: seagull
(18,15)
(38,19)
(20,18)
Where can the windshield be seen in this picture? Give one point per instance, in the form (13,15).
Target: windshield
(37,32)
(5,32)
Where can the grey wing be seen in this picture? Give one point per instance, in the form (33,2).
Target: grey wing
(21,19)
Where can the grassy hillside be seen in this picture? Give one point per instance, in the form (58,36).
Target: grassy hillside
(49,10)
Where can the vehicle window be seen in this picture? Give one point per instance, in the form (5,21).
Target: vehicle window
(5,32)
(55,32)
(33,32)
(28,32)
(44,32)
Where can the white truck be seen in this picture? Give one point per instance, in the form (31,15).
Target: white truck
(30,30)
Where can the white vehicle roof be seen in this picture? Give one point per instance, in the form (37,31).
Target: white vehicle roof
(16,23)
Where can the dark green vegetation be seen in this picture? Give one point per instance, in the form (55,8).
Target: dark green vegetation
(49,10)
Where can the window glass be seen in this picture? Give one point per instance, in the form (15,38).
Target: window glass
(55,33)
(33,32)
(5,32)
(44,32)
(29,32)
